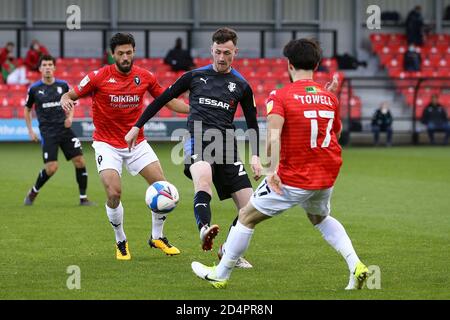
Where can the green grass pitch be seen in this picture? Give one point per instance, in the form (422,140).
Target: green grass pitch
(394,203)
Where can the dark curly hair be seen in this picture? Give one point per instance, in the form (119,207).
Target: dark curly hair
(303,54)
(120,39)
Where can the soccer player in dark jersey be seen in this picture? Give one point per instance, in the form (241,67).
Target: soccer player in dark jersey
(303,127)
(54,126)
(215,91)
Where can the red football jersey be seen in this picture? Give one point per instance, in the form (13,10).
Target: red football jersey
(117,101)
(310,155)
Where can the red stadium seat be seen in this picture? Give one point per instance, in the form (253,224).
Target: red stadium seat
(261,111)
(397,38)
(444,99)
(19,112)
(443,63)
(79,112)
(239,112)
(378,47)
(165,113)
(394,64)
(331,64)
(6,112)
(181,115)
(260,100)
(385,59)
(200,62)
(379,37)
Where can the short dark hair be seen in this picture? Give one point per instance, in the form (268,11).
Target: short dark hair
(303,54)
(47,57)
(120,39)
(223,35)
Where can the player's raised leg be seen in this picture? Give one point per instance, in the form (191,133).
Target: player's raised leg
(201,173)
(44,175)
(152,173)
(114,210)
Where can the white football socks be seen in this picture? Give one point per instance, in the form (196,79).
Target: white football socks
(334,233)
(236,244)
(158,220)
(232,228)
(115,217)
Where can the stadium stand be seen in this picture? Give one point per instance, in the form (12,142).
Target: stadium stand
(435,54)
(264,75)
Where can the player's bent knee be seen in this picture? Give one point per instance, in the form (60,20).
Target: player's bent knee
(315,219)
(79,162)
(250,217)
(114,194)
(51,168)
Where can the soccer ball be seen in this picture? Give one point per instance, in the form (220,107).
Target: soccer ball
(161,197)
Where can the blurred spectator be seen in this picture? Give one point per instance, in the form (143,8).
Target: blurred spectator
(412,60)
(435,118)
(35,52)
(13,72)
(414,26)
(108,57)
(6,52)
(447,13)
(178,58)
(348,62)
(382,122)
(392,17)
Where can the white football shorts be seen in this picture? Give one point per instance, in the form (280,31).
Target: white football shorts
(108,157)
(270,203)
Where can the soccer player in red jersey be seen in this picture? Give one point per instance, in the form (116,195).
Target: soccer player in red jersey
(303,128)
(117,101)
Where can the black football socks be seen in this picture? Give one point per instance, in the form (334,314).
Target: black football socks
(82,178)
(202,209)
(41,180)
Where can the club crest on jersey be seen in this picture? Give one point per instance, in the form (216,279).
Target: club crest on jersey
(59,89)
(231,86)
(137,80)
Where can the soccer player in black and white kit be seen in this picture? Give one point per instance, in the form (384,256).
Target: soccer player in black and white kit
(215,91)
(54,126)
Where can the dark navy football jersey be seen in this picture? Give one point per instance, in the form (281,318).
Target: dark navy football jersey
(46,99)
(213,99)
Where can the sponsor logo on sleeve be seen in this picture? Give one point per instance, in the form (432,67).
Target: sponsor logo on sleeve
(269,106)
(84,82)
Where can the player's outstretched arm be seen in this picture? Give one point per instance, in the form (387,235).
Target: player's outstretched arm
(68,100)
(180,86)
(151,110)
(249,109)
(178,106)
